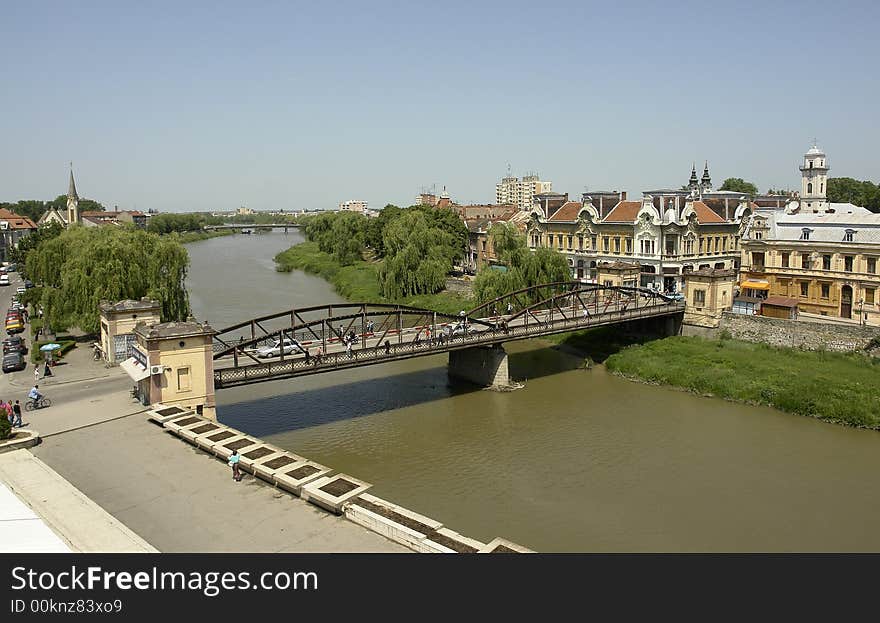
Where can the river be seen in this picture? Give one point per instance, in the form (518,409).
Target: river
(577,460)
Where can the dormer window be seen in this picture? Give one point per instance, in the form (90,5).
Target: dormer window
(805,233)
(848,235)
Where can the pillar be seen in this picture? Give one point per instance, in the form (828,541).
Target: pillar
(482,365)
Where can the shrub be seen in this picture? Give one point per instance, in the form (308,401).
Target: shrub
(5,427)
(725,335)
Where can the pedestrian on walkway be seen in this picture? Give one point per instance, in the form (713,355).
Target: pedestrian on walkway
(348,348)
(36,372)
(47,371)
(7,411)
(387,347)
(16,412)
(509,308)
(233,462)
(308,355)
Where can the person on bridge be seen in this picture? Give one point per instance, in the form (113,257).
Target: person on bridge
(348,348)
(387,347)
(233,462)
(370,327)
(586,313)
(509,308)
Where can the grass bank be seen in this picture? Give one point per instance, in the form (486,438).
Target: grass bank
(194,236)
(360,281)
(837,387)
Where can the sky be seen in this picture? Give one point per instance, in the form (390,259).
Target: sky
(185,106)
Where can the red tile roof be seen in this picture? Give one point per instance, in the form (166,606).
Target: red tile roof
(623,212)
(16,221)
(705,214)
(567,212)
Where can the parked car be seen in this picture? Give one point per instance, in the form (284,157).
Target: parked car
(14,325)
(10,268)
(274,349)
(21,289)
(13,361)
(14,343)
(28,283)
(676,296)
(4,280)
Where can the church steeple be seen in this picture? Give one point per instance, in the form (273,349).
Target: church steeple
(693,183)
(72,201)
(706,181)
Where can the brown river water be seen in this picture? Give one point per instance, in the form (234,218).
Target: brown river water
(577,460)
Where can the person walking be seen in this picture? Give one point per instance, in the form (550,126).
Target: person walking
(36,372)
(509,308)
(348,348)
(387,347)
(233,462)
(16,412)
(7,411)
(47,371)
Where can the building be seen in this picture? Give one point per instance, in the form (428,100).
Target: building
(814,181)
(119,217)
(826,261)
(13,228)
(118,321)
(521,192)
(708,293)
(488,211)
(434,200)
(667,233)
(353,206)
(72,216)
(243,211)
(479,221)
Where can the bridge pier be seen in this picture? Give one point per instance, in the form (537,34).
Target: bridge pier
(661,326)
(482,365)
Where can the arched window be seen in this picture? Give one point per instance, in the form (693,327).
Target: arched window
(810,188)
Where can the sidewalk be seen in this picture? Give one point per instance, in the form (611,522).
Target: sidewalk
(77,365)
(80,524)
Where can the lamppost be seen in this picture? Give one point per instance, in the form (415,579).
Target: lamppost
(861,314)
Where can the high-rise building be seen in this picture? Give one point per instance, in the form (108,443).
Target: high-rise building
(520,192)
(353,206)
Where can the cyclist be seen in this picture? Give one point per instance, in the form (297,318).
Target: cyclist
(35,395)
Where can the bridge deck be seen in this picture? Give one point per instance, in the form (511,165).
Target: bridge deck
(543,323)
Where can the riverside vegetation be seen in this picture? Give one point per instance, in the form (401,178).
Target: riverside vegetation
(837,387)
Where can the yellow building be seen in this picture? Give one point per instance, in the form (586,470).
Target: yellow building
(826,261)
(118,321)
(708,293)
(172,363)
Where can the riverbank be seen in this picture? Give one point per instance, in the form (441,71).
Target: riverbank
(360,281)
(835,387)
(186,237)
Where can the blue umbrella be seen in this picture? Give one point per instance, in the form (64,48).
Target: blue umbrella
(52,346)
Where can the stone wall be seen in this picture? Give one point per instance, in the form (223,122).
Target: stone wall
(483,365)
(797,333)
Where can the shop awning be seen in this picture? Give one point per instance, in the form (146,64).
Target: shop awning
(134,369)
(755,285)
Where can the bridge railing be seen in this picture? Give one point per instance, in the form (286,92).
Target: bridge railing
(474,336)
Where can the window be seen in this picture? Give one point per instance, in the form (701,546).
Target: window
(784,263)
(183,381)
(569,241)
(629,246)
(617,245)
(810,188)
(716,245)
(826,290)
(758,235)
(872,265)
(605,243)
(805,233)
(848,263)
(848,235)
(549,240)
(594,243)
(580,242)
(826,262)
(758,260)
(608,283)
(689,246)
(811,164)
(699,298)
(869,296)
(805,261)
(805,288)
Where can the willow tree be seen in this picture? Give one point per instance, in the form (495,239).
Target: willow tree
(523,268)
(418,255)
(83,266)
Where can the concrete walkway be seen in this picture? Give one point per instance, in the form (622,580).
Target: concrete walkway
(183,500)
(81,525)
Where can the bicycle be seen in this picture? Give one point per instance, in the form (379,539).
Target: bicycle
(32,404)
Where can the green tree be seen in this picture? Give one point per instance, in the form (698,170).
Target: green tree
(848,190)
(83,266)
(19,253)
(524,268)
(739,185)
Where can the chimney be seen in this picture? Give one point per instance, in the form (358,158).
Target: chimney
(623,195)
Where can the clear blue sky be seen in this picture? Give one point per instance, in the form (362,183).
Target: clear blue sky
(189,105)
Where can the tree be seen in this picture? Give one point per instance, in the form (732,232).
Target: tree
(860,193)
(739,185)
(19,252)
(419,253)
(83,266)
(524,268)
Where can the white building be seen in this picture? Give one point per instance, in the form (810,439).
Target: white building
(353,206)
(814,181)
(520,192)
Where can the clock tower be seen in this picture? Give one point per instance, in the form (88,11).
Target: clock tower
(814,181)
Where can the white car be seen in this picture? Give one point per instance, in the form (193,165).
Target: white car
(274,349)
(4,280)
(21,289)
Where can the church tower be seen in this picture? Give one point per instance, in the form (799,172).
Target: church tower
(814,181)
(694,182)
(72,201)
(706,181)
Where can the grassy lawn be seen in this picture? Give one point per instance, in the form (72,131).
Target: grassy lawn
(838,387)
(360,281)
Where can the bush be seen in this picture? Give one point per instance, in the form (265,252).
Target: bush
(37,355)
(5,427)
(726,335)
